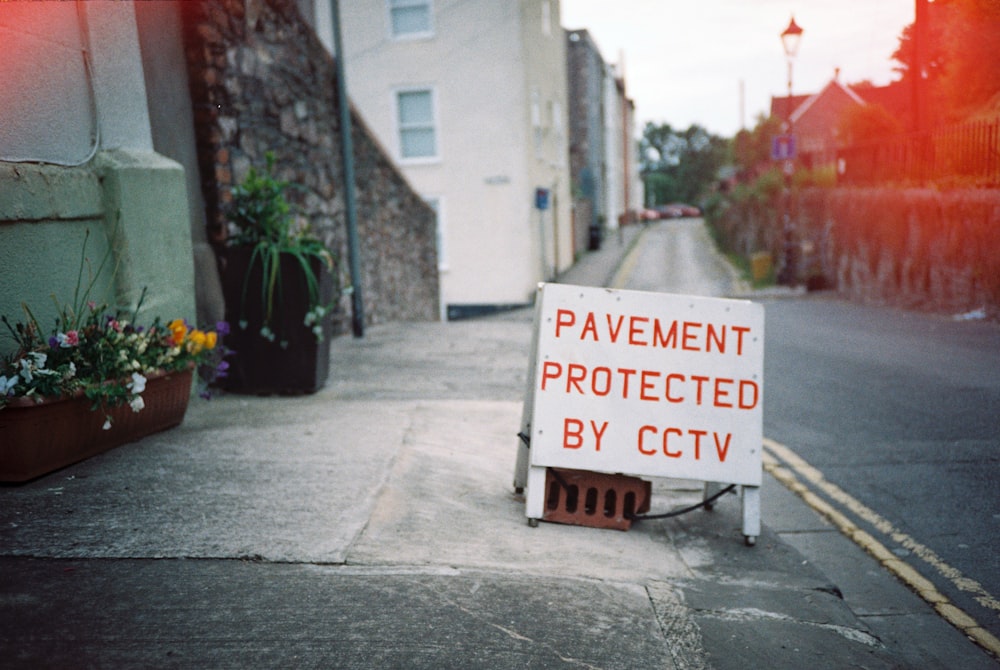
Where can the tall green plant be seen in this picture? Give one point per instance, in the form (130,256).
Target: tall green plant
(266,222)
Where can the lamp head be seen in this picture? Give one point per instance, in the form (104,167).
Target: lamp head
(790,38)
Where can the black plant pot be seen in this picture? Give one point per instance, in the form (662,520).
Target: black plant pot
(296,361)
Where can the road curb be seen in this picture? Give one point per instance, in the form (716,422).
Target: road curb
(902,570)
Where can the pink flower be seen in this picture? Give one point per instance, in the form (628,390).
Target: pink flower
(67,340)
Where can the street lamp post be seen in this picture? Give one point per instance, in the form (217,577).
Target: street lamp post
(790,39)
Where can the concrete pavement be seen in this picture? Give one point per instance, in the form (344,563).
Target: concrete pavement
(374,525)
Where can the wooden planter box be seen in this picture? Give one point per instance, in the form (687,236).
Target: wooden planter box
(263,367)
(39,438)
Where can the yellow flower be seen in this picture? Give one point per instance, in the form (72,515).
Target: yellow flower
(196,341)
(178,330)
(211,338)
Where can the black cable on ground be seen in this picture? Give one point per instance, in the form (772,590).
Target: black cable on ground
(641,517)
(684,510)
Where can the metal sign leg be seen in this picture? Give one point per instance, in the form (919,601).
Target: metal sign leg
(521,468)
(750,496)
(534,502)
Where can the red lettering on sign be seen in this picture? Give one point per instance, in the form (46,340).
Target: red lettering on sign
(746,384)
(698,434)
(668,341)
(720,393)
(572,433)
(550,370)
(646,429)
(602,381)
(647,379)
(575,373)
(589,326)
(740,331)
(626,373)
(606,388)
(666,449)
(713,335)
(635,331)
(564,317)
(722,450)
(721,446)
(648,331)
(671,377)
(598,434)
(700,380)
(689,336)
(615,329)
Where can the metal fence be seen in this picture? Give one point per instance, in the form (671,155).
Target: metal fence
(967,154)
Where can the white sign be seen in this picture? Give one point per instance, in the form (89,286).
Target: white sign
(648,384)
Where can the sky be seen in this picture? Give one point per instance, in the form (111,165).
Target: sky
(687,61)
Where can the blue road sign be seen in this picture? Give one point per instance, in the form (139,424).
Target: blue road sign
(783,147)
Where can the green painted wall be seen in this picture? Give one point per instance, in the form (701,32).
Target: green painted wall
(134,203)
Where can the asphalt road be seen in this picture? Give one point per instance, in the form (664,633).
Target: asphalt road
(902,411)
(896,412)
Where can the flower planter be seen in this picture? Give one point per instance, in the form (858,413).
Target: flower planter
(260,366)
(39,438)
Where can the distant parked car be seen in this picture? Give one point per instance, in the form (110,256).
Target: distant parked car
(689,210)
(648,215)
(669,211)
(677,210)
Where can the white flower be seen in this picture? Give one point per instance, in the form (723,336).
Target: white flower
(137,403)
(7,384)
(138,384)
(107,424)
(26,370)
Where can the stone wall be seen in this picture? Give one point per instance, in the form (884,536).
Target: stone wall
(261,81)
(917,248)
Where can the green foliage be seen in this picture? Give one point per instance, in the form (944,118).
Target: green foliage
(752,148)
(680,165)
(105,355)
(266,222)
(865,123)
(961,57)
(259,208)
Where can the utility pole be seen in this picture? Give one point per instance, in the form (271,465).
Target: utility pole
(919,86)
(347,160)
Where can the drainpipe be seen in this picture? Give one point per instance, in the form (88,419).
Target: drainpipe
(347,159)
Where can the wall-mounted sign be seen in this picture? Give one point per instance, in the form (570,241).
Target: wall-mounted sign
(541,198)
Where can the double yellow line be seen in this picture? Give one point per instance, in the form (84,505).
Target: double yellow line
(786,466)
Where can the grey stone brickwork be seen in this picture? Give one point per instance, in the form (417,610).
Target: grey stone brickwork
(585,72)
(261,81)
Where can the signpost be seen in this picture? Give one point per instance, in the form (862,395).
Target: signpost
(640,383)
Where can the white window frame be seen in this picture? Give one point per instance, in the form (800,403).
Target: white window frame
(434,125)
(390,5)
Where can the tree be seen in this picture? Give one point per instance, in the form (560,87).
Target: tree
(752,148)
(867,123)
(960,67)
(680,165)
